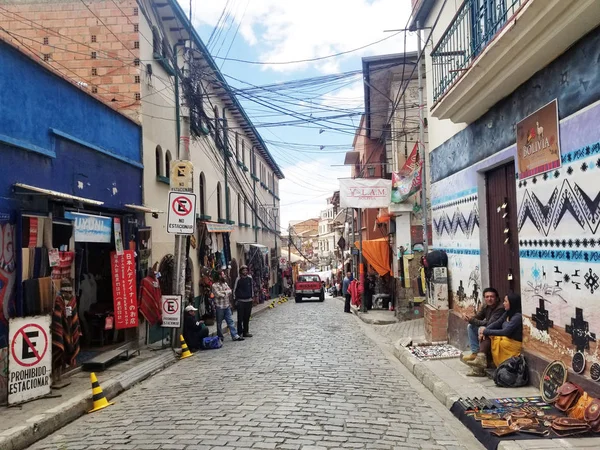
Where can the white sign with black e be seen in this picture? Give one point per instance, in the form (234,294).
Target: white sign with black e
(30,358)
(171,311)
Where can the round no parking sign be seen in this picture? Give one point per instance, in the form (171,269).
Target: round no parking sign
(30,358)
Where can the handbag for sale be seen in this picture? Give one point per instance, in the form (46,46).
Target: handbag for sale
(578,411)
(568,394)
(592,415)
(565,426)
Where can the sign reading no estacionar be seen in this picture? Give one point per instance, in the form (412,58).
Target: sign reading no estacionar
(182,213)
(30,358)
(171,311)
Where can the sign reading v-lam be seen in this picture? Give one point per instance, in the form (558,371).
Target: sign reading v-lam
(365,193)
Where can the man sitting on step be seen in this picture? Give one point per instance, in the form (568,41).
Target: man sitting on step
(491,311)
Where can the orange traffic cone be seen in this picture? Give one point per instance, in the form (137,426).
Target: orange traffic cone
(185,351)
(98,396)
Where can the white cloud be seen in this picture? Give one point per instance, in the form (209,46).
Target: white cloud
(300,202)
(297,30)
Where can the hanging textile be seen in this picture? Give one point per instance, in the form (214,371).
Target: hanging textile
(226,248)
(150,297)
(66,330)
(377,252)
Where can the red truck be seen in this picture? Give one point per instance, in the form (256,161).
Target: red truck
(309,285)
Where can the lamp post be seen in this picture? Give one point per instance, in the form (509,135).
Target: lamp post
(275,214)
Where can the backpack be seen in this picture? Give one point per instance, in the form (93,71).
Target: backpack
(512,373)
(213,342)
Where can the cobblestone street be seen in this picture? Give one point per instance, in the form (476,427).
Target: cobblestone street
(310,378)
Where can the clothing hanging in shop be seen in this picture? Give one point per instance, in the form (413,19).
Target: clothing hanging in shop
(150,299)
(226,248)
(63,270)
(66,329)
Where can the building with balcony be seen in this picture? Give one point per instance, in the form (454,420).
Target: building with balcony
(514,102)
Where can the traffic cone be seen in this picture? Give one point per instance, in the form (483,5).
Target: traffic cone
(185,351)
(98,396)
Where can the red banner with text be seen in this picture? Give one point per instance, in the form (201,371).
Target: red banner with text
(124,289)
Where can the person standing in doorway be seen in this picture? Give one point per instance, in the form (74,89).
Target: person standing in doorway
(243,292)
(346,292)
(222,293)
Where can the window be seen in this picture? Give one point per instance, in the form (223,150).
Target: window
(219,212)
(94,55)
(216,116)
(168,164)
(94,71)
(239,206)
(93,38)
(94,89)
(159,159)
(136,28)
(237,146)
(246,212)
(202,194)
(45,41)
(228,203)
(136,44)
(165,48)
(137,79)
(138,96)
(135,11)
(136,62)
(46,56)
(243,153)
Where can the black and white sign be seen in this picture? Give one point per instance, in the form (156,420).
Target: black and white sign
(171,311)
(182,213)
(30,358)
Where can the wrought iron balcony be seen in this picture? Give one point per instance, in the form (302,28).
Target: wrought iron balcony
(474,26)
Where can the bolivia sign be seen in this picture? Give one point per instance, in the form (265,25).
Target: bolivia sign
(365,193)
(171,311)
(182,213)
(538,143)
(30,358)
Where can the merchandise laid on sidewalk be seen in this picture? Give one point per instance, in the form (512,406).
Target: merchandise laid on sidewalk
(442,351)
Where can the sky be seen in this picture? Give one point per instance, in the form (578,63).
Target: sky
(300,123)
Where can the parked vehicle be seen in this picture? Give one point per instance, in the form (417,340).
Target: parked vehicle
(309,285)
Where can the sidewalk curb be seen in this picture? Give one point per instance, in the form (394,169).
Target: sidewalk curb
(366,319)
(439,388)
(40,426)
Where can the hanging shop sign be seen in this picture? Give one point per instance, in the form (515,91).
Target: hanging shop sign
(182,213)
(182,176)
(213,227)
(118,236)
(365,193)
(171,311)
(538,142)
(122,268)
(90,228)
(407,181)
(30,358)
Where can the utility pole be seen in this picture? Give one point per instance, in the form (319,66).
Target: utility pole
(422,155)
(224,141)
(361,266)
(352,245)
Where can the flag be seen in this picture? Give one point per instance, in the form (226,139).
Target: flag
(408,180)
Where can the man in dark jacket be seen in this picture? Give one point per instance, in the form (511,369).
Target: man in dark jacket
(490,312)
(243,293)
(194,331)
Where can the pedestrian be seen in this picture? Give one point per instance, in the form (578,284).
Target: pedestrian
(243,293)
(222,293)
(194,331)
(346,292)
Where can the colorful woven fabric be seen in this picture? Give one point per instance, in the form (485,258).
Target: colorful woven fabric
(150,300)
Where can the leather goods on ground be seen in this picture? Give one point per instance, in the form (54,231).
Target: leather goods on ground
(592,415)
(565,426)
(539,431)
(578,411)
(568,394)
(504,431)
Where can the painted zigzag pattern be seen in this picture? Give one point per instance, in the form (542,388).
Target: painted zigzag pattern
(446,225)
(546,217)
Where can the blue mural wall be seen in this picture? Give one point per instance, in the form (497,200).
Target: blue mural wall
(53,135)
(573,78)
(558,212)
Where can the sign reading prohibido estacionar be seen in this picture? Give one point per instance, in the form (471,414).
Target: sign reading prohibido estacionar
(29,358)
(365,193)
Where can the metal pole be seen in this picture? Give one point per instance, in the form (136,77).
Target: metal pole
(422,155)
(352,244)
(225,144)
(361,267)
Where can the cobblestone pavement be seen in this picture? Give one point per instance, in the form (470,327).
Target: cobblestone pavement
(310,378)
(414,329)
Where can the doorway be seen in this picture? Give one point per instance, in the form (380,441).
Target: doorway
(501,196)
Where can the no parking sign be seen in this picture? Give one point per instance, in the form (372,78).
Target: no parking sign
(171,311)
(30,358)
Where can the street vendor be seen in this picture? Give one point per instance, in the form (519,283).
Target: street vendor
(491,311)
(503,338)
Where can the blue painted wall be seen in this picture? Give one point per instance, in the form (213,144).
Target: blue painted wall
(573,78)
(34,100)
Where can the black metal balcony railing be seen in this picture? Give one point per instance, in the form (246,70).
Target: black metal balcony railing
(473,27)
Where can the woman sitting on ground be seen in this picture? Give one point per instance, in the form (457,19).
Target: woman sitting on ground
(503,338)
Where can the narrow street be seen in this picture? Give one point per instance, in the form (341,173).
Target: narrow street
(310,378)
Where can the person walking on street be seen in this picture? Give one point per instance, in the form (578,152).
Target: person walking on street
(346,292)
(243,293)
(222,293)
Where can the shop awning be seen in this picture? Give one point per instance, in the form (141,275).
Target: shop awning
(57,194)
(293,258)
(215,227)
(377,253)
(145,209)
(247,245)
